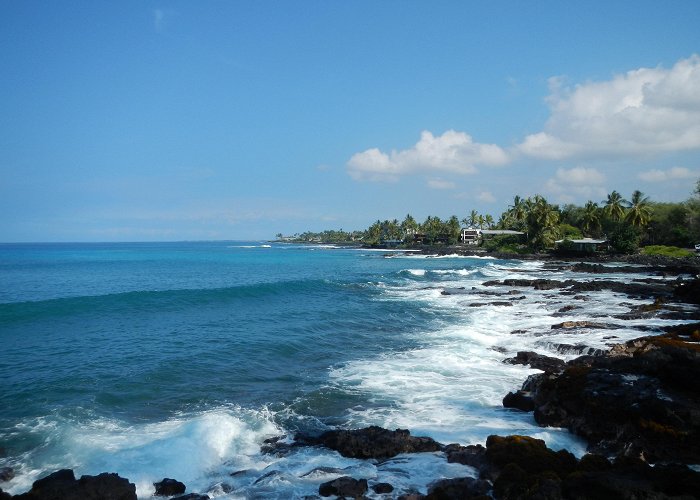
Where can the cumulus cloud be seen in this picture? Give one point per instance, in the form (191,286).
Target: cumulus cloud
(453,152)
(486,197)
(577,182)
(647,110)
(441,184)
(675,173)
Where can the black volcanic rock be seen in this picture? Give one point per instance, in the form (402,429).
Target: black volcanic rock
(6,473)
(168,487)
(458,489)
(538,361)
(372,442)
(344,486)
(62,485)
(640,399)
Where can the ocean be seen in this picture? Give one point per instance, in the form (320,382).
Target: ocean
(178,360)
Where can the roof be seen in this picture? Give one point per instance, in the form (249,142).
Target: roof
(500,231)
(584,241)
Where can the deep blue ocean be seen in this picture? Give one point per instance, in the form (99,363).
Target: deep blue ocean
(177,360)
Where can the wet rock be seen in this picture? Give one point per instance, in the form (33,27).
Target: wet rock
(381,488)
(568,308)
(344,486)
(4,496)
(568,325)
(641,399)
(191,496)
(518,332)
(6,473)
(520,400)
(578,349)
(168,487)
(538,361)
(372,442)
(320,471)
(455,291)
(62,485)
(458,488)
(501,303)
(472,455)
(688,291)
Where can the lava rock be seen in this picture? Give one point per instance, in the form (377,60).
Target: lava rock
(458,488)
(345,486)
(62,485)
(539,361)
(191,496)
(169,487)
(372,442)
(381,488)
(520,400)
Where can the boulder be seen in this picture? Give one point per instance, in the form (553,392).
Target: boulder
(169,487)
(62,485)
(458,488)
(191,496)
(372,442)
(344,486)
(520,400)
(381,488)
(538,361)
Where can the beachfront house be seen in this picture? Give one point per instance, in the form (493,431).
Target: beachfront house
(584,245)
(474,236)
(470,236)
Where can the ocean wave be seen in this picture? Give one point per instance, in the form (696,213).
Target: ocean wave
(162,300)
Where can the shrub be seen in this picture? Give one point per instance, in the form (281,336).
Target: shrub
(667,251)
(625,239)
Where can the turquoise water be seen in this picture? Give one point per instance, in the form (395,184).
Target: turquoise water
(179,359)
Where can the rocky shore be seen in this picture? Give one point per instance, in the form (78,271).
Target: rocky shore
(637,405)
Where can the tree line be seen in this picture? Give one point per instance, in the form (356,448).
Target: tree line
(625,223)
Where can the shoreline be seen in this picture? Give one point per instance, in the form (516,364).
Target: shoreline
(490,470)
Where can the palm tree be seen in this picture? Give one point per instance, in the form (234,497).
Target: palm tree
(614,206)
(591,218)
(517,212)
(638,210)
(481,221)
(542,222)
(489,221)
(473,218)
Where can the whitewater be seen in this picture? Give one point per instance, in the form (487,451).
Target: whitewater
(180,359)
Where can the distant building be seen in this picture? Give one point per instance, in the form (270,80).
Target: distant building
(584,245)
(474,236)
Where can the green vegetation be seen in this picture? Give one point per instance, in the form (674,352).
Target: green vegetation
(667,251)
(661,228)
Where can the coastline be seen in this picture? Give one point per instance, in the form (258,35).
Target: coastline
(490,470)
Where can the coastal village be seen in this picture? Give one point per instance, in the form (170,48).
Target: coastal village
(533,225)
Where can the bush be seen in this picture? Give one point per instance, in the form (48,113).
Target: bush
(625,239)
(667,251)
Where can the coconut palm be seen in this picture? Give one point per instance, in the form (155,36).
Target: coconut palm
(615,206)
(488,219)
(542,222)
(480,220)
(471,219)
(591,218)
(638,210)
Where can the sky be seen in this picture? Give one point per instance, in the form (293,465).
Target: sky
(218,120)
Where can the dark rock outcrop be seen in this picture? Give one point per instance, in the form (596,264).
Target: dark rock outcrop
(381,488)
(191,496)
(520,400)
(62,485)
(371,442)
(458,488)
(344,486)
(641,399)
(522,468)
(168,487)
(548,364)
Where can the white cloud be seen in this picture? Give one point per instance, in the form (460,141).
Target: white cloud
(577,182)
(675,173)
(486,196)
(441,184)
(647,110)
(452,151)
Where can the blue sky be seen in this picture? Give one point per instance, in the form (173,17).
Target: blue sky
(143,121)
